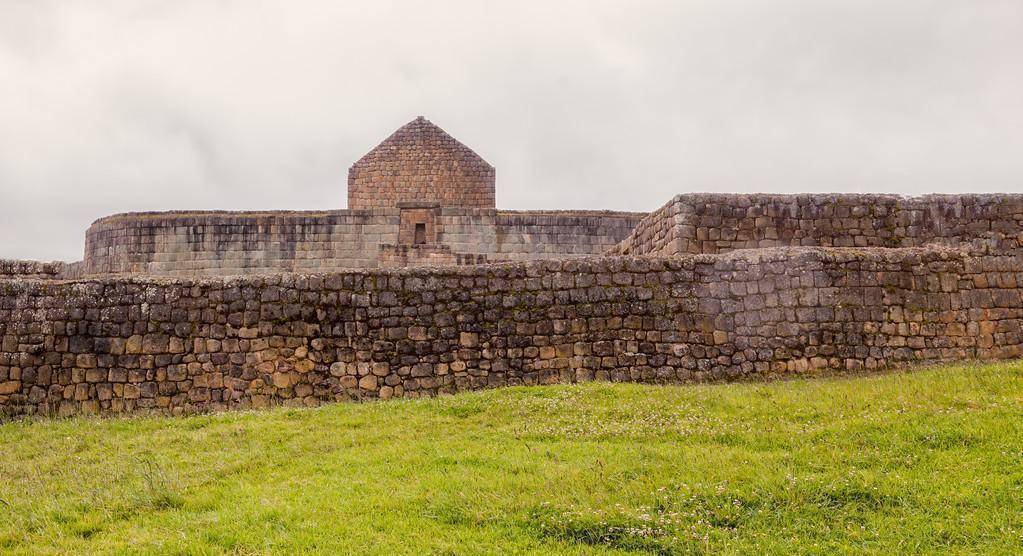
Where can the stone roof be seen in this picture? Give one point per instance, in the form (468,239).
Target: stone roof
(421,162)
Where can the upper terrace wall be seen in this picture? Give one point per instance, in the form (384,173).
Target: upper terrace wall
(717,223)
(119,344)
(529,235)
(56,270)
(226,243)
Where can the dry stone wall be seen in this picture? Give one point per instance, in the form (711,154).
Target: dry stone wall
(127,344)
(717,223)
(226,243)
(229,243)
(39,270)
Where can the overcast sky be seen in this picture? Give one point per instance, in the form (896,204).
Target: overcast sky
(110,106)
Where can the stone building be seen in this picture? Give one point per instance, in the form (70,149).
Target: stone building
(419,198)
(422,198)
(707,287)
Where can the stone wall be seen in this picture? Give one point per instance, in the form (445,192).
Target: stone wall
(228,243)
(121,344)
(717,223)
(420,162)
(224,243)
(529,235)
(39,270)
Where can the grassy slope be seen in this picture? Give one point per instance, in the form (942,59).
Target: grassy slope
(919,462)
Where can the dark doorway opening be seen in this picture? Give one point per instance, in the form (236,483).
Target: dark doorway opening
(420,237)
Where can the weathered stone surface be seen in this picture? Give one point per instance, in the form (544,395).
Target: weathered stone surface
(228,243)
(146,344)
(233,243)
(38,270)
(420,162)
(717,223)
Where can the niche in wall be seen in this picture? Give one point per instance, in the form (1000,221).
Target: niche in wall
(418,224)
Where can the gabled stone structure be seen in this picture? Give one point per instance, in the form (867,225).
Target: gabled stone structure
(420,198)
(421,163)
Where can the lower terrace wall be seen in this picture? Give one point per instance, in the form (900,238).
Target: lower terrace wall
(718,223)
(229,243)
(126,344)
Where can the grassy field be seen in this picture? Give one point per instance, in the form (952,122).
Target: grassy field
(922,462)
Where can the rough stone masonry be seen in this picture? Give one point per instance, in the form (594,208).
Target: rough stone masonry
(423,287)
(149,344)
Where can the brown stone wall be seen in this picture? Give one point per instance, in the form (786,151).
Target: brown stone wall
(149,344)
(229,243)
(717,223)
(421,163)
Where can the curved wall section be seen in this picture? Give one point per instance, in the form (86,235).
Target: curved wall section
(225,243)
(229,243)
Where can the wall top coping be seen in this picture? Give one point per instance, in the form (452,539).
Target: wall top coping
(705,197)
(18,266)
(212,215)
(831,197)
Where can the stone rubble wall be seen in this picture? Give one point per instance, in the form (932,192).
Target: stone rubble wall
(230,243)
(147,344)
(39,270)
(717,223)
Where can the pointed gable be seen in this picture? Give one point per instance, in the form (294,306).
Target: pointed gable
(420,162)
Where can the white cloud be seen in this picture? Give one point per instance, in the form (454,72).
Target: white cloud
(109,106)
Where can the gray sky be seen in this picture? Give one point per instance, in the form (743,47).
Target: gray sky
(109,106)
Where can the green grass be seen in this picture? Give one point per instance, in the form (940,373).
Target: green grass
(921,462)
